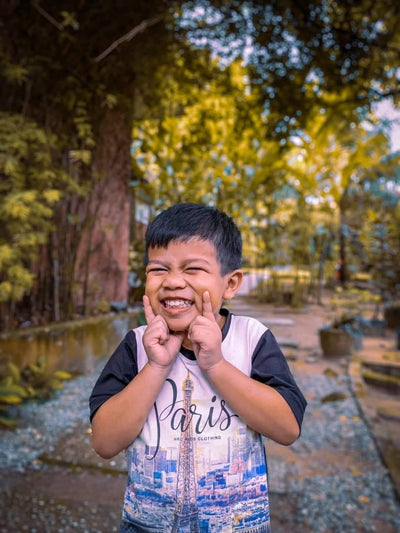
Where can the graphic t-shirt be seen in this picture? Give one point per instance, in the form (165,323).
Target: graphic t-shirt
(196,466)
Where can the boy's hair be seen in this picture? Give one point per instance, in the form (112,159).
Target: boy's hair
(185,221)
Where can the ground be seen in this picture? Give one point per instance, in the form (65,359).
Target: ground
(69,488)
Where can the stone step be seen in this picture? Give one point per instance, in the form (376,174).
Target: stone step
(287,343)
(277,321)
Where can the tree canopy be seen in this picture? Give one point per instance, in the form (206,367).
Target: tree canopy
(257,107)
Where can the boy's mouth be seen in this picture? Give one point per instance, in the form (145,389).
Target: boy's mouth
(176,304)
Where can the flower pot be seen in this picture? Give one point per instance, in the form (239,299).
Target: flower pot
(392,316)
(335,341)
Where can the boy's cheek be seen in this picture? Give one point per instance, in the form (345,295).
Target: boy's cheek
(153,303)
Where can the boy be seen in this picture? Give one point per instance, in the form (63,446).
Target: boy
(191,394)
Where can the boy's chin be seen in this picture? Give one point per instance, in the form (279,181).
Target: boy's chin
(178,329)
(178,325)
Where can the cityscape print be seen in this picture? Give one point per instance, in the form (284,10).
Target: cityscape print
(205,487)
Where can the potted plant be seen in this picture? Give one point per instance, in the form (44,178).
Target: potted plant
(346,330)
(341,336)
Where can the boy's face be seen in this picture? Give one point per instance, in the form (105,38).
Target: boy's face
(177,276)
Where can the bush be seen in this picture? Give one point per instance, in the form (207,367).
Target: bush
(287,287)
(33,382)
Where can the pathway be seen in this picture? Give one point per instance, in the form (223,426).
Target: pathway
(332,479)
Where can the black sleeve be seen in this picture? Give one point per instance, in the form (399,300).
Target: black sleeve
(269,366)
(119,370)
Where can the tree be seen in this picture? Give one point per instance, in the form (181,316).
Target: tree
(84,72)
(301,53)
(67,68)
(336,168)
(30,186)
(198,147)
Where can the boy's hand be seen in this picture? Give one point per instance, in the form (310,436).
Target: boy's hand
(161,345)
(206,336)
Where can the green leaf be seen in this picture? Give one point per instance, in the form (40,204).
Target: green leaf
(61,374)
(11,399)
(35,369)
(55,384)
(6,382)
(6,290)
(13,370)
(30,390)
(14,389)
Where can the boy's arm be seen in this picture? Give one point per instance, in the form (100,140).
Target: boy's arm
(120,419)
(259,405)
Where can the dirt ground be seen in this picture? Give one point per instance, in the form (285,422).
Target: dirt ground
(297,332)
(77,491)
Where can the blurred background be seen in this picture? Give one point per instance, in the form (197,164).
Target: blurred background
(285,114)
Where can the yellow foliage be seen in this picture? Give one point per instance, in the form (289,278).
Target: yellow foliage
(110,101)
(84,156)
(14,372)
(9,166)
(20,276)
(55,384)
(52,196)
(11,399)
(103,306)
(17,293)
(16,209)
(6,255)
(30,240)
(61,374)
(31,185)
(5,291)
(292,275)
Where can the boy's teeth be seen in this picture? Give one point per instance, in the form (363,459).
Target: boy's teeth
(176,303)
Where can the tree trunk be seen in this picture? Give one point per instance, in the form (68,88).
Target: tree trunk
(56,276)
(101,270)
(321,264)
(343,276)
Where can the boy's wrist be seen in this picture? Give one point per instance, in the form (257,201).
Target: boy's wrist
(159,369)
(216,369)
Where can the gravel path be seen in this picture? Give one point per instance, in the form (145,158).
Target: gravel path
(331,480)
(43,424)
(334,476)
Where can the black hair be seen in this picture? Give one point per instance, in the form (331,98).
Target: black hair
(185,221)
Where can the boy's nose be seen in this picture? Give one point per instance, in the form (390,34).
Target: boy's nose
(174,280)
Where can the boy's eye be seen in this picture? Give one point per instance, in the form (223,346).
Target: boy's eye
(156,270)
(193,269)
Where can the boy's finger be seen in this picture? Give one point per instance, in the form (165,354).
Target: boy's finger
(148,310)
(207,308)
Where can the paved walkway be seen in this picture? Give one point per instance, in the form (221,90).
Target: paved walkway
(333,479)
(343,472)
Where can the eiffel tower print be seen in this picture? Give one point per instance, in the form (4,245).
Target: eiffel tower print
(186,516)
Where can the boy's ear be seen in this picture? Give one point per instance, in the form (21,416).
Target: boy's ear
(234,280)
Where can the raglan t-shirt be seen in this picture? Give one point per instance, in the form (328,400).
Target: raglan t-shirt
(196,466)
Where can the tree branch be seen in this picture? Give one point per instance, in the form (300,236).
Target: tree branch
(47,16)
(128,36)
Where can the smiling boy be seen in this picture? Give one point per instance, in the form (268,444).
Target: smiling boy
(191,395)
